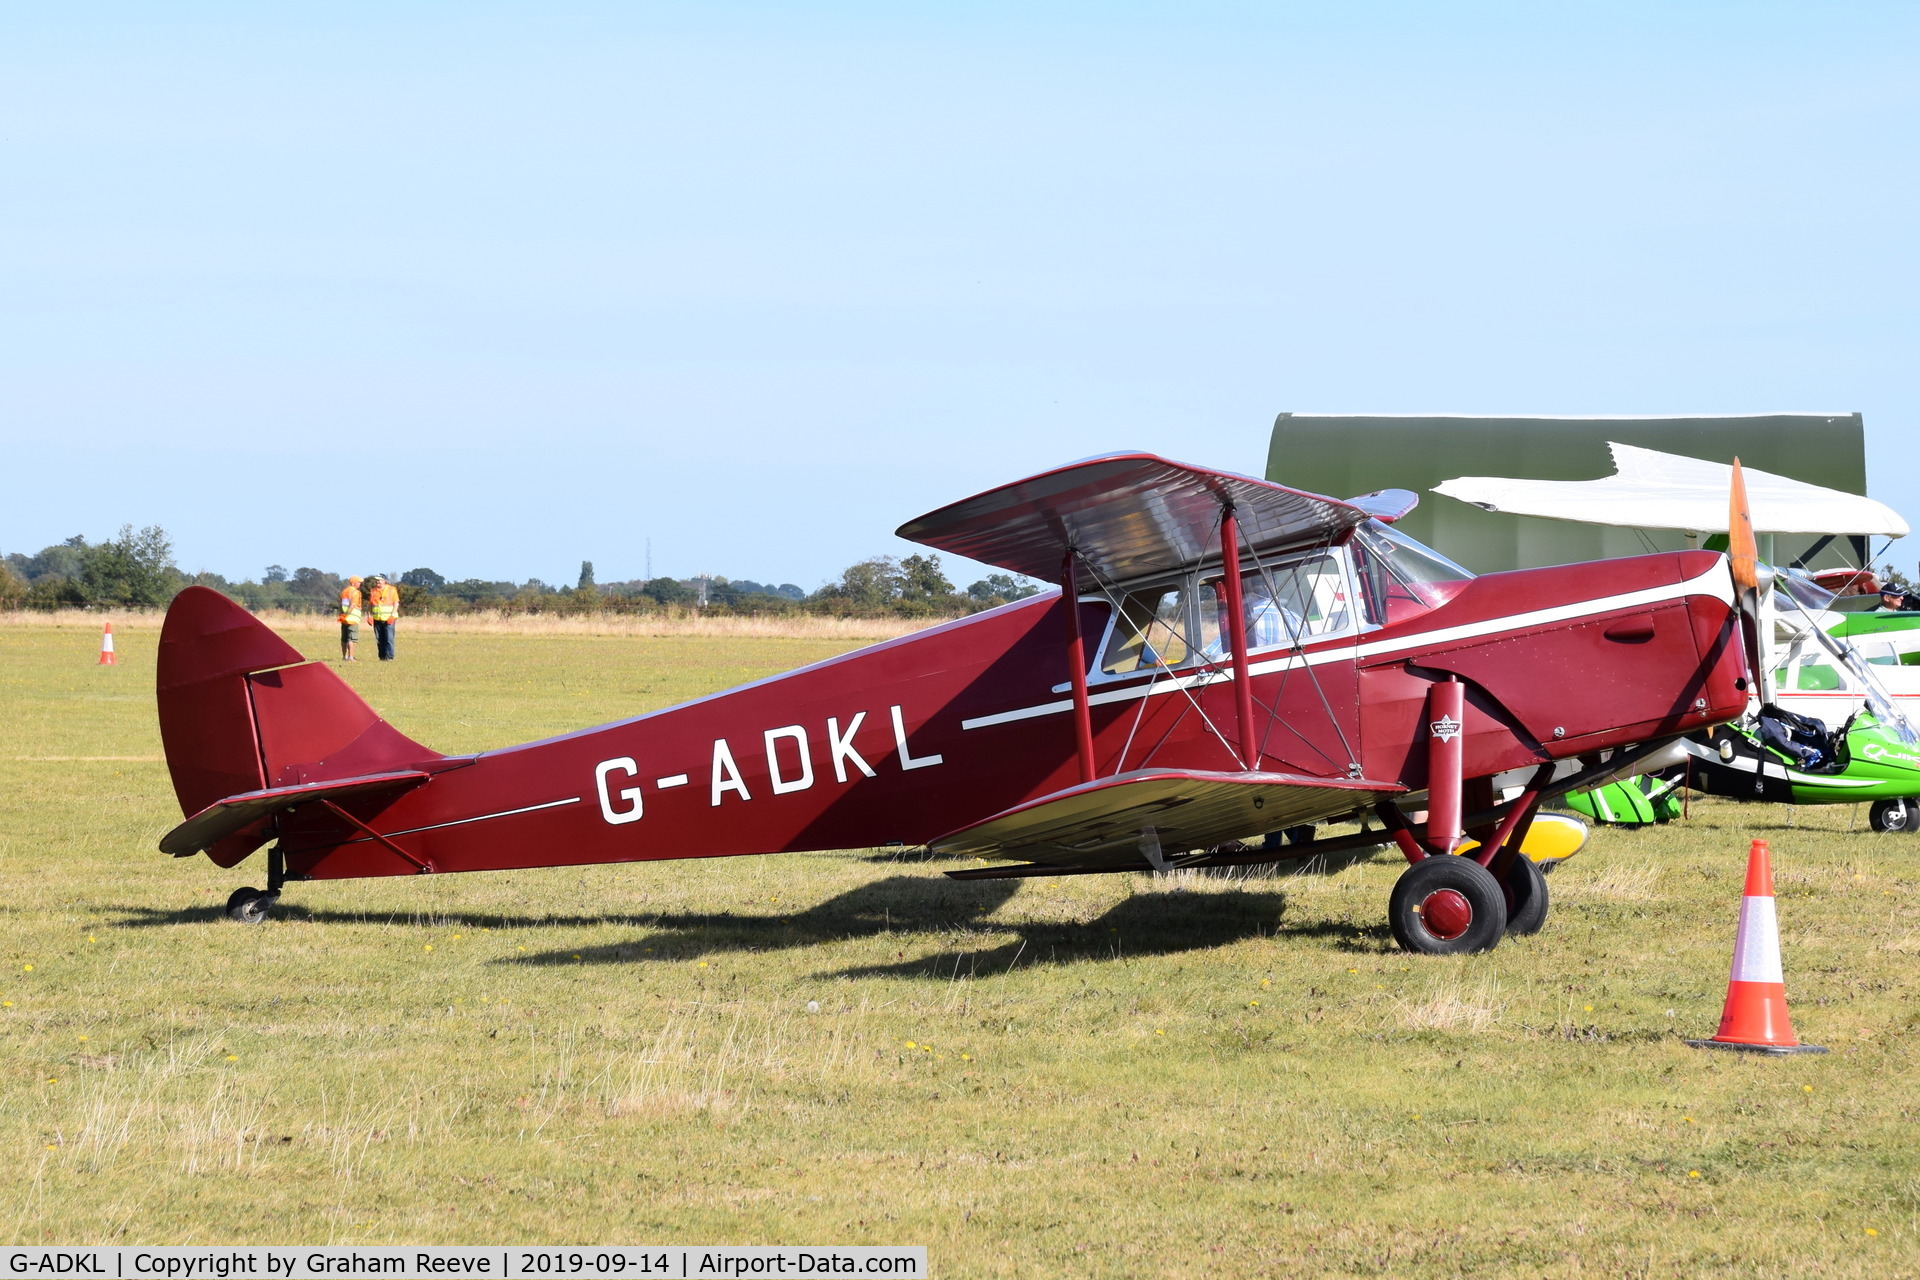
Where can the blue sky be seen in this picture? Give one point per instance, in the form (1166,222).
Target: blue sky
(495,289)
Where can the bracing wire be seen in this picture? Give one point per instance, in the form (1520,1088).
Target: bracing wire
(1297,648)
(1108,589)
(1204,669)
(1209,667)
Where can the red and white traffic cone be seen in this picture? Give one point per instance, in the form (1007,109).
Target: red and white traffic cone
(106,647)
(1755,1017)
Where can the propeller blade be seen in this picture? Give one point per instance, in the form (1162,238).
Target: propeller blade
(1743,554)
(1742,547)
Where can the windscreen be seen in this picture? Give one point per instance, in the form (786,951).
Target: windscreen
(1400,577)
(1803,590)
(1817,661)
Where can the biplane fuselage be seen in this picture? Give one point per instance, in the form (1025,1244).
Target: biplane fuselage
(922,739)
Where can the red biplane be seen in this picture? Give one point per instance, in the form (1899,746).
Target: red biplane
(1158,713)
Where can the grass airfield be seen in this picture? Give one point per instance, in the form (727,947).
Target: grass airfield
(1099,1076)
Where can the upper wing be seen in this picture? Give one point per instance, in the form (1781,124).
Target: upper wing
(1129,514)
(1137,818)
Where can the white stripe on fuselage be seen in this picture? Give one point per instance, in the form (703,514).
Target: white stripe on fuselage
(461,822)
(1715,582)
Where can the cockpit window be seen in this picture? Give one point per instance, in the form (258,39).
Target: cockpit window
(1400,577)
(1292,602)
(1150,632)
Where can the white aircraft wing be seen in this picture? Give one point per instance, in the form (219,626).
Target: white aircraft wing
(1654,490)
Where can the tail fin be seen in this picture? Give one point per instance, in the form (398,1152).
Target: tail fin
(241,711)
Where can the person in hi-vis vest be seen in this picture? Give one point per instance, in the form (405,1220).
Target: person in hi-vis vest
(349,617)
(383,603)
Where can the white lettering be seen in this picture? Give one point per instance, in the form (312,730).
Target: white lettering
(842,747)
(907,759)
(674,780)
(782,786)
(726,774)
(625,765)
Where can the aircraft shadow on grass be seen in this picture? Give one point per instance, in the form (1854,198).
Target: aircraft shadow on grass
(907,904)
(903,906)
(154,918)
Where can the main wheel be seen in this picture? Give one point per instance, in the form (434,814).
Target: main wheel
(1894,815)
(1526,896)
(251,906)
(1447,905)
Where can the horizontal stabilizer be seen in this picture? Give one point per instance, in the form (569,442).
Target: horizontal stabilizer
(1148,816)
(225,817)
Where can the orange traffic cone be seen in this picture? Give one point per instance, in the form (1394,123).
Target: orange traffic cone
(1755,1018)
(106,647)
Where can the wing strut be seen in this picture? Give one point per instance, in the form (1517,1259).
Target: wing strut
(1237,638)
(1077,668)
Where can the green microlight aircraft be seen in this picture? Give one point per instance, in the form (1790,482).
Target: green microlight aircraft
(1823,728)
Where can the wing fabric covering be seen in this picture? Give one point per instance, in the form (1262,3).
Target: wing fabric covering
(1113,822)
(1127,515)
(243,713)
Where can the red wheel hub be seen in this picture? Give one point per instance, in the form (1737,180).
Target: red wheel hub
(1448,914)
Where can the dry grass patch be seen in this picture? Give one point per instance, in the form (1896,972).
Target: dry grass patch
(1612,878)
(693,1066)
(92,619)
(1452,1003)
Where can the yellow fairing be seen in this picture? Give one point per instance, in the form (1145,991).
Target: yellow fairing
(1554,837)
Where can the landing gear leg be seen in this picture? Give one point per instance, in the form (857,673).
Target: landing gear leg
(252,906)
(1521,880)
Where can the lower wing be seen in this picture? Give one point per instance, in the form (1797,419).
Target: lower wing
(1148,817)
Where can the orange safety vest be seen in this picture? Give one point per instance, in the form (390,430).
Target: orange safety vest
(350,605)
(385,602)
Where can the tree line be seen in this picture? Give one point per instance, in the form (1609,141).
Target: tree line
(136,569)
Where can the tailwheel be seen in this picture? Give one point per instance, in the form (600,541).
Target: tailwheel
(1894,815)
(251,906)
(1526,894)
(1447,905)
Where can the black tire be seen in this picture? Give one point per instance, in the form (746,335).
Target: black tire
(1894,815)
(1468,907)
(1526,896)
(1302,834)
(251,906)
